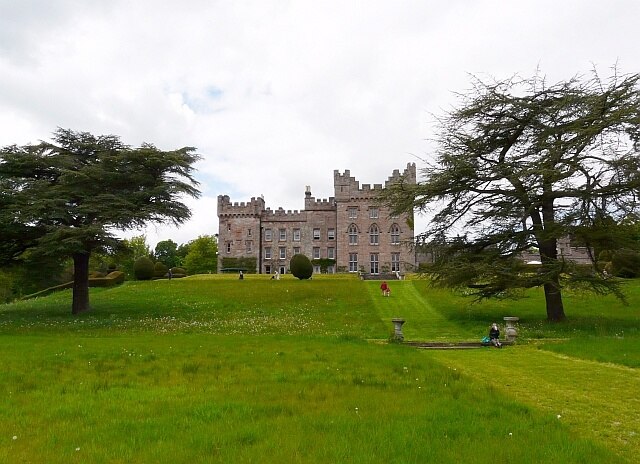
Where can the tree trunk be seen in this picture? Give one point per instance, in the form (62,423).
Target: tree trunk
(552,290)
(80,283)
(548,244)
(553,298)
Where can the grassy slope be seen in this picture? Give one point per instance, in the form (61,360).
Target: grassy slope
(153,375)
(600,400)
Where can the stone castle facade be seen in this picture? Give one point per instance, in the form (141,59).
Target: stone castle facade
(349,232)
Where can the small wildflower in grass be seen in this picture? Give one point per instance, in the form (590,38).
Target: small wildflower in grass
(15,437)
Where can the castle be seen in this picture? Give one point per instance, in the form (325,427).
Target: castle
(349,232)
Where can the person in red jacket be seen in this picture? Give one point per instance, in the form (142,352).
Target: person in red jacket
(386,291)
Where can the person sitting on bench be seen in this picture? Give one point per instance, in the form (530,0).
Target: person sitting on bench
(494,335)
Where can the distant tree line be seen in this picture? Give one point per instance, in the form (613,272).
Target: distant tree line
(198,256)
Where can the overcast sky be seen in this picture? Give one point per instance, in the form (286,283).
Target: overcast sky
(275,95)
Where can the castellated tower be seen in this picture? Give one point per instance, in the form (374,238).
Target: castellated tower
(350,232)
(370,239)
(239,229)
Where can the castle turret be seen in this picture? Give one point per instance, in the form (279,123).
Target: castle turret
(239,230)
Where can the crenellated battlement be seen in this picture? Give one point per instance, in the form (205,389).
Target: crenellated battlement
(253,208)
(280,215)
(311,204)
(272,236)
(347,187)
(408,175)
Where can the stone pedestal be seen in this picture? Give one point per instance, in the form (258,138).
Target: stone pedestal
(397,329)
(510,331)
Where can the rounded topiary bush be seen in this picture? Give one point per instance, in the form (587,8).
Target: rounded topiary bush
(160,270)
(301,267)
(143,268)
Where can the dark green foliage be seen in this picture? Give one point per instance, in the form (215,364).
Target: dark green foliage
(246,264)
(521,164)
(7,290)
(143,268)
(301,267)
(110,280)
(178,270)
(166,252)
(130,250)
(160,270)
(63,199)
(625,263)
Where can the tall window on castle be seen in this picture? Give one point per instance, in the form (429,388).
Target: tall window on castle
(283,235)
(283,252)
(296,250)
(331,234)
(395,234)
(331,253)
(248,232)
(248,245)
(229,226)
(395,262)
(316,252)
(316,233)
(296,235)
(267,252)
(353,212)
(374,263)
(267,235)
(374,234)
(373,213)
(353,234)
(228,247)
(353,262)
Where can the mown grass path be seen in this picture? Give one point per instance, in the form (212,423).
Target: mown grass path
(423,321)
(599,399)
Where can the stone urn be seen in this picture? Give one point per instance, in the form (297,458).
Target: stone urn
(510,331)
(397,329)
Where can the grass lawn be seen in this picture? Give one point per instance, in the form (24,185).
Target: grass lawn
(212,369)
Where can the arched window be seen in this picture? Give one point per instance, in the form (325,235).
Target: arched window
(353,234)
(374,234)
(395,234)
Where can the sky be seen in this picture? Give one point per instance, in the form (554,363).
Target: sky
(276,95)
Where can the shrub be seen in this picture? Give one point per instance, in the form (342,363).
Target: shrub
(112,279)
(626,263)
(160,270)
(247,264)
(116,276)
(301,267)
(143,268)
(112,267)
